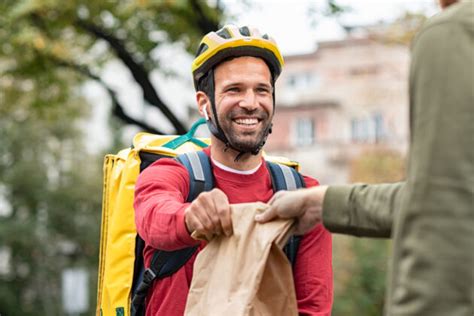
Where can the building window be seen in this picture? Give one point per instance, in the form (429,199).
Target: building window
(360,130)
(379,131)
(304,132)
(303,80)
(292,81)
(368,129)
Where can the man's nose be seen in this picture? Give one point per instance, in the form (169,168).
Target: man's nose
(249,100)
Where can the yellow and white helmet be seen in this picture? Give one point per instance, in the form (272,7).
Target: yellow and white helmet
(232,41)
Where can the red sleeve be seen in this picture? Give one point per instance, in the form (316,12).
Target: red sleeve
(310,182)
(313,270)
(160,200)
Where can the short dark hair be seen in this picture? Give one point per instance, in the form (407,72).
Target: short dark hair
(205,84)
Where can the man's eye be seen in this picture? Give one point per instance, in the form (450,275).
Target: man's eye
(233,89)
(263,90)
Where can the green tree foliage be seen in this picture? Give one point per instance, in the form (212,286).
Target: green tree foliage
(362,263)
(360,274)
(403,29)
(377,165)
(50,190)
(43,36)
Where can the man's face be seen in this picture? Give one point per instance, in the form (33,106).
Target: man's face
(244,100)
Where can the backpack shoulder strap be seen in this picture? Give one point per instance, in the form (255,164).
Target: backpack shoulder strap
(287,178)
(165,263)
(284,177)
(200,173)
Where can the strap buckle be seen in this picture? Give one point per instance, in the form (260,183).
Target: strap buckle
(148,276)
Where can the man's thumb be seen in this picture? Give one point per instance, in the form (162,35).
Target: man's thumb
(266,216)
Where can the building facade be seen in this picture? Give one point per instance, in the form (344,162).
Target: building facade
(334,103)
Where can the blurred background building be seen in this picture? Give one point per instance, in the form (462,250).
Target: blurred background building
(335,103)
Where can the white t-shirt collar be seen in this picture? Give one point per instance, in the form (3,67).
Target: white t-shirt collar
(225,168)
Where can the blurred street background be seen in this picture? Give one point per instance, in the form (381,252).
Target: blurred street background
(79,78)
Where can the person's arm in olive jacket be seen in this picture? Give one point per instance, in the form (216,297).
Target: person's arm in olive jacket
(359,209)
(362,210)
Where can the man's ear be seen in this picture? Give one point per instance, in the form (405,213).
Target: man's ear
(203,103)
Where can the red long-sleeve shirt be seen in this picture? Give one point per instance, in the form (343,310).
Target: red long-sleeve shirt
(160,201)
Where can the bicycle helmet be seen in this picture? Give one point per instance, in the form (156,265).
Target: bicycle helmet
(232,41)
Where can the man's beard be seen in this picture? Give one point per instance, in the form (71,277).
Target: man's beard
(241,140)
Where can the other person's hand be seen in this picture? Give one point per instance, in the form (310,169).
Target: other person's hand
(209,214)
(305,205)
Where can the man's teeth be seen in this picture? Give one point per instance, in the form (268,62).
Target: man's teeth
(247,121)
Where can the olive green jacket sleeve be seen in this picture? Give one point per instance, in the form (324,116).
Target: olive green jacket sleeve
(362,210)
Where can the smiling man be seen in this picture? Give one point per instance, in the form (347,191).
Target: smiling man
(234,74)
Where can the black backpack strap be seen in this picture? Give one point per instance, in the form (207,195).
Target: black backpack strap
(287,178)
(163,264)
(166,263)
(284,177)
(200,173)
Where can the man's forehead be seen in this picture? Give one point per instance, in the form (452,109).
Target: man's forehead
(243,69)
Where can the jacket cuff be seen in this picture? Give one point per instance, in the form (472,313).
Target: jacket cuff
(336,207)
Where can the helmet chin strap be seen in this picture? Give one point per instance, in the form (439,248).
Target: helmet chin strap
(216,130)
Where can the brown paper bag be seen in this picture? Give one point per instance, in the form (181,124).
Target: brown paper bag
(246,274)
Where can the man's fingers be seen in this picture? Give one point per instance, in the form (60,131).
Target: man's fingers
(311,218)
(222,212)
(269,214)
(284,204)
(197,218)
(191,223)
(275,197)
(225,220)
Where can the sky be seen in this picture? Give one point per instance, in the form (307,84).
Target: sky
(296,31)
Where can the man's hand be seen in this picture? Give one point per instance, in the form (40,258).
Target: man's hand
(304,204)
(209,214)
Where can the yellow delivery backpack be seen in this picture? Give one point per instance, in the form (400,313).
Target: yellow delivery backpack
(121,276)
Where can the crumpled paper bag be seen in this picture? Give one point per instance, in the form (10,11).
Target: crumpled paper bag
(246,274)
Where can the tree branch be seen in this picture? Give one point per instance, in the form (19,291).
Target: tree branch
(203,22)
(117,106)
(139,73)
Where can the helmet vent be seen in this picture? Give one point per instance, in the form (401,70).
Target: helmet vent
(224,33)
(265,36)
(202,48)
(244,30)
